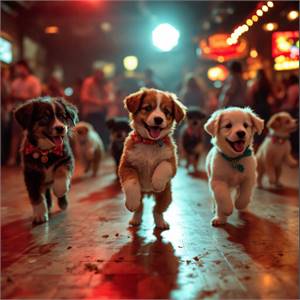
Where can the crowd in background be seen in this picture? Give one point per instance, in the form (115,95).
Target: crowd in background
(99,98)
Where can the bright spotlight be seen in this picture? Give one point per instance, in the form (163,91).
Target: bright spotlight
(165,37)
(130,63)
(68,91)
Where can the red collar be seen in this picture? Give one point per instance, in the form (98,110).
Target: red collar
(277,139)
(37,152)
(136,138)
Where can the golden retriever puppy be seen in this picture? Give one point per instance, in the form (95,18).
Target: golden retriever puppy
(88,147)
(230,164)
(149,158)
(276,149)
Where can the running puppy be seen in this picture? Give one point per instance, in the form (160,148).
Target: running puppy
(89,147)
(276,149)
(149,158)
(119,129)
(46,154)
(230,164)
(191,137)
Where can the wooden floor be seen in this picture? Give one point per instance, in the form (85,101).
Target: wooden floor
(90,252)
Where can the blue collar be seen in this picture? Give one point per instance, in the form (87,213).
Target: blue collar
(234,161)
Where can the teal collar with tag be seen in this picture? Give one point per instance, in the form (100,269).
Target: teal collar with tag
(235,160)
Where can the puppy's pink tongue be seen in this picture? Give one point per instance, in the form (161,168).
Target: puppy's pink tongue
(238,146)
(154,132)
(58,140)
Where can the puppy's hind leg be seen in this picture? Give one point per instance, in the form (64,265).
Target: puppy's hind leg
(62,182)
(245,193)
(224,206)
(48,198)
(163,200)
(96,162)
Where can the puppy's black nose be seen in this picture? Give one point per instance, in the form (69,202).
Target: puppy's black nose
(241,134)
(158,120)
(59,129)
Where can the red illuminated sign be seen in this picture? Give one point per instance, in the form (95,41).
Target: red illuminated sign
(216,47)
(286,44)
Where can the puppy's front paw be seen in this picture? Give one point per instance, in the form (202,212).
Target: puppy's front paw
(158,184)
(161,176)
(40,213)
(132,195)
(217,221)
(160,222)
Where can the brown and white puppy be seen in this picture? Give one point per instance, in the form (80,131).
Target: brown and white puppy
(230,164)
(192,136)
(149,158)
(46,154)
(88,147)
(276,149)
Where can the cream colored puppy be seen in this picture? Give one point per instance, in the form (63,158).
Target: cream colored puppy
(230,164)
(88,147)
(276,149)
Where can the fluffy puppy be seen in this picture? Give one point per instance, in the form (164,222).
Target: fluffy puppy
(46,154)
(119,129)
(276,149)
(191,137)
(89,147)
(230,164)
(149,158)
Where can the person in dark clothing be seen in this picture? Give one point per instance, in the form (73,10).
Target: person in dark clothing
(259,94)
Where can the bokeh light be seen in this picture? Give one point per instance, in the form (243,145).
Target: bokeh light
(130,63)
(165,37)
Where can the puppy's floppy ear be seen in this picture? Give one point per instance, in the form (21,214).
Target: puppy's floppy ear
(110,123)
(212,124)
(179,108)
(133,101)
(70,109)
(274,122)
(257,122)
(23,114)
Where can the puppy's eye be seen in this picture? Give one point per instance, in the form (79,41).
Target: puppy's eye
(246,125)
(44,119)
(61,116)
(228,126)
(167,113)
(147,108)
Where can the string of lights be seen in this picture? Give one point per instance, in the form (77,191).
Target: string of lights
(240,30)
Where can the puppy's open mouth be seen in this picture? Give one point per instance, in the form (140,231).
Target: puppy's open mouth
(154,131)
(57,140)
(237,146)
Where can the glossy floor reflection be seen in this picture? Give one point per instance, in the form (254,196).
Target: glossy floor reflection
(90,252)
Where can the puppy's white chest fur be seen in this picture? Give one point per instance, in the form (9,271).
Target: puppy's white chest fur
(145,158)
(220,169)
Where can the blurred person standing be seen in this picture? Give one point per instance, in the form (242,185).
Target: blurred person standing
(191,93)
(94,102)
(291,105)
(150,81)
(24,87)
(6,116)
(53,88)
(260,95)
(233,92)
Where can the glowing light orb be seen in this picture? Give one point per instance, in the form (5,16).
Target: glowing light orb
(130,63)
(165,37)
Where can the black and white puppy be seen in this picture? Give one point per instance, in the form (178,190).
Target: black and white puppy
(192,136)
(46,154)
(119,129)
